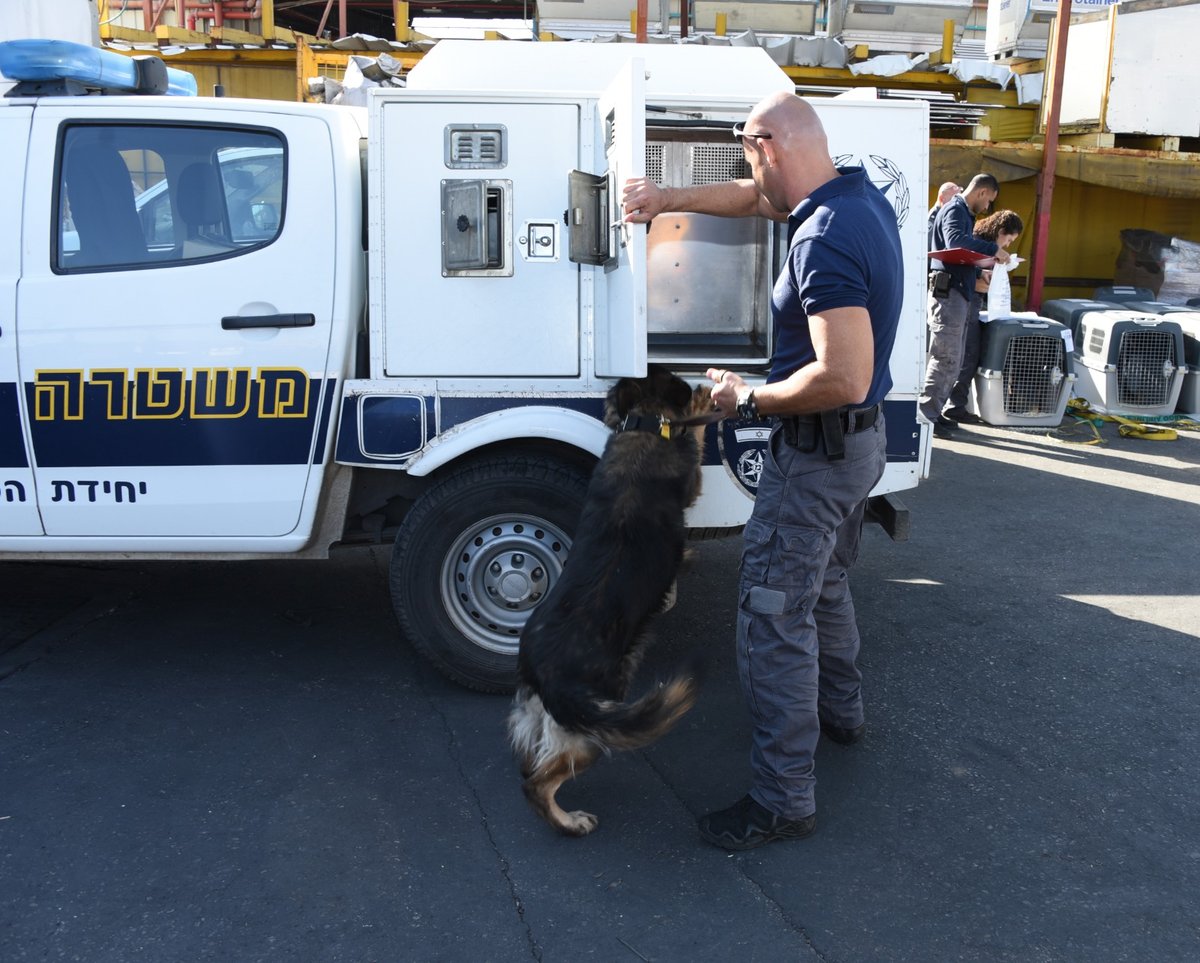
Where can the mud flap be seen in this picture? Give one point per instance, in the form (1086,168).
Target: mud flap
(891,514)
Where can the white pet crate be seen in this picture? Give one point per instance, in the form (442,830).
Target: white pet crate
(1189,394)
(1069,311)
(1129,363)
(1025,372)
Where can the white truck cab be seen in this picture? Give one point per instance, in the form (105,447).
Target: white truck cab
(238,328)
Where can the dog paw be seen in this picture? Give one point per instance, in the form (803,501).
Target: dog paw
(579,823)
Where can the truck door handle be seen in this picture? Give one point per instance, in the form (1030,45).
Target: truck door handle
(238,321)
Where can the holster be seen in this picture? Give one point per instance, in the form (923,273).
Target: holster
(806,432)
(834,434)
(802,433)
(939,283)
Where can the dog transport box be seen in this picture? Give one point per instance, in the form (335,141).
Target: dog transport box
(1152,307)
(1025,373)
(1069,311)
(1122,292)
(1129,363)
(1189,394)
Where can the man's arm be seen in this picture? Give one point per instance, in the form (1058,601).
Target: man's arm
(841,374)
(642,200)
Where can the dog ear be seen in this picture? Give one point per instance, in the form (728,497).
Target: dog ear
(623,396)
(676,392)
(701,401)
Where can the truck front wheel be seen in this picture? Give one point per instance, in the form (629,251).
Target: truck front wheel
(475,555)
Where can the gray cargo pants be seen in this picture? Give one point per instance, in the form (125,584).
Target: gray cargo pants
(797,638)
(960,394)
(947,319)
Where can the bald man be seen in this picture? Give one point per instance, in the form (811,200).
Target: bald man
(835,305)
(944,193)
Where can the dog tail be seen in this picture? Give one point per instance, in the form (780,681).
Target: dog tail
(634,725)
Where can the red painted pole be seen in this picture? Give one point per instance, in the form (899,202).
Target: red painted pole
(640,32)
(1045,181)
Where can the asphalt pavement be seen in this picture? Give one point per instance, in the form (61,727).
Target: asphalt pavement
(240,761)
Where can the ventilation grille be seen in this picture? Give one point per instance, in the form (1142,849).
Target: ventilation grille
(472,147)
(714,163)
(654,162)
(1034,370)
(1145,368)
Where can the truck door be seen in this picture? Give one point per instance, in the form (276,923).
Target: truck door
(620,330)
(470,277)
(175,319)
(18,502)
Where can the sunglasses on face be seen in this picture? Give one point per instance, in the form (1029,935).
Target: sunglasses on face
(739,131)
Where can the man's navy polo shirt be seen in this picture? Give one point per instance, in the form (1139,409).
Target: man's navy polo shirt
(845,253)
(954,226)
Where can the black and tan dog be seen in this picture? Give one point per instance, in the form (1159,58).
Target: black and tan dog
(582,645)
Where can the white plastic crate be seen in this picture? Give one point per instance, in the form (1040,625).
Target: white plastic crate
(1129,363)
(1189,394)
(1025,372)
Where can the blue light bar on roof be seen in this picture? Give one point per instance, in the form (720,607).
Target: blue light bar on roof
(59,61)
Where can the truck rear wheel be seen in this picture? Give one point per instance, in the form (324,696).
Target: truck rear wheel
(475,555)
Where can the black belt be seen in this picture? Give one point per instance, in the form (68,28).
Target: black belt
(804,432)
(853,420)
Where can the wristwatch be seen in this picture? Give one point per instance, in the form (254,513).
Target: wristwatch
(747,408)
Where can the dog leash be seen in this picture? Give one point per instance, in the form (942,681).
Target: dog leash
(666,427)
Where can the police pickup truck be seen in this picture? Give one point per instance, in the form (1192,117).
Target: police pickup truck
(235,328)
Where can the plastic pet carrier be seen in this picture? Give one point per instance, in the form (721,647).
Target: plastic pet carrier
(1189,394)
(1152,307)
(1129,363)
(1069,311)
(1123,292)
(1025,372)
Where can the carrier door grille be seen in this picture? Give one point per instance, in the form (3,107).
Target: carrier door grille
(654,162)
(681,163)
(1146,364)
(1034,368)
(714,163)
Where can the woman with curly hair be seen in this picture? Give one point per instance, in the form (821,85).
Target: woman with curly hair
(1003,227)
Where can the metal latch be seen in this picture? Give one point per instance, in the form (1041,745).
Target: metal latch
(539,241)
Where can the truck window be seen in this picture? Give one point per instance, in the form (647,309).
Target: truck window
(158,195)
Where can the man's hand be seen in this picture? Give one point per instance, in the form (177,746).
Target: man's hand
(641,200)
(728,389)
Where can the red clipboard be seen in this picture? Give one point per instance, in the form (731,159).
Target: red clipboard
(962,255)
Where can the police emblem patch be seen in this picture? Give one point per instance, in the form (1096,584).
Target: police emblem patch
(743,446)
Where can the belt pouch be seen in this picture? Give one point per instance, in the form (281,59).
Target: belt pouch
(800,433)
(834,434)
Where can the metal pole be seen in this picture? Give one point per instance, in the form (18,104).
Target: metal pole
(324,17)
(1045,181)
(640,32)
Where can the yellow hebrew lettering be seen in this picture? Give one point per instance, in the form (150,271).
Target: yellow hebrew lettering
(282,393)
(220,392)
(158,393)
(58,394)
(116,381)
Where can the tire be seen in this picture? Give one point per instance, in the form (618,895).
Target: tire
(475,555)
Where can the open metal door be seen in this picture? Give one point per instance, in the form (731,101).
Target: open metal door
(620,317)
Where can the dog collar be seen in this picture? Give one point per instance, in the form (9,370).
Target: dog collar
(654,424)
